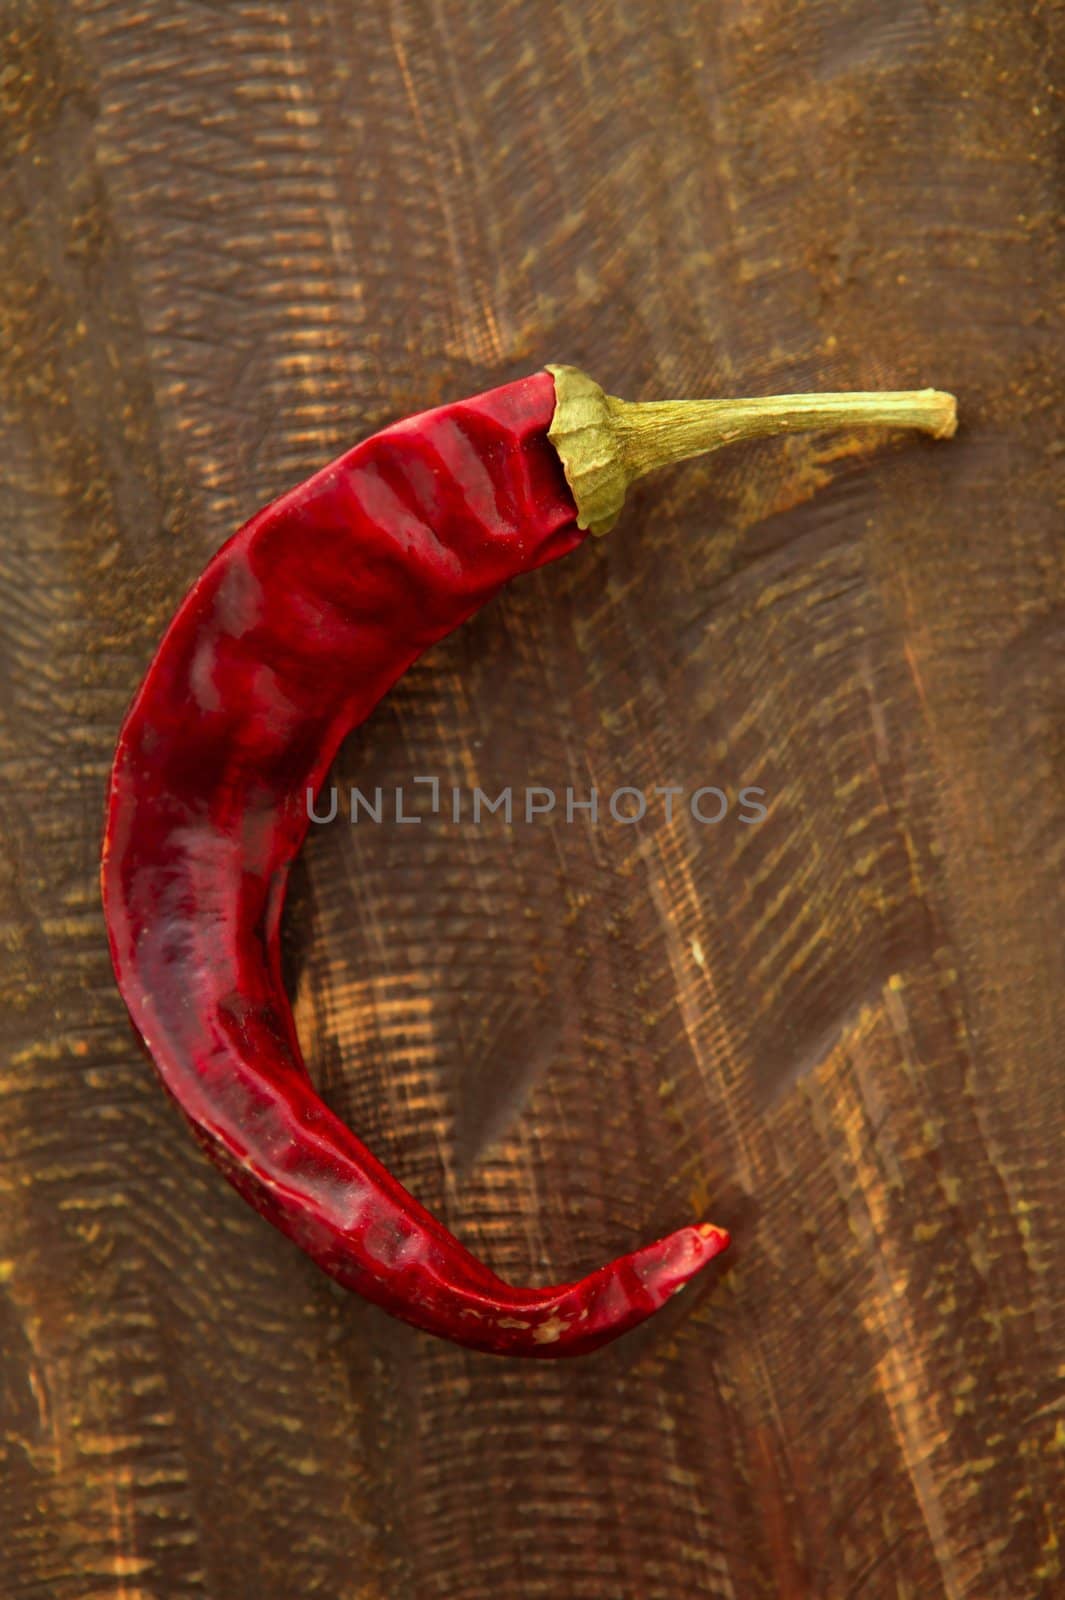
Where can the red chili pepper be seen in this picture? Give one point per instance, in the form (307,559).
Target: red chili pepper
(290,637)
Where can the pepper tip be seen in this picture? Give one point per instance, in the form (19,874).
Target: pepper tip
(672,1263)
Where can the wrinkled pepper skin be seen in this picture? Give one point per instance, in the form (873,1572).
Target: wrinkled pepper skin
(291,636)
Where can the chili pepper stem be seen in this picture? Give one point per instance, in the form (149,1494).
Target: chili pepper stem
(606,443)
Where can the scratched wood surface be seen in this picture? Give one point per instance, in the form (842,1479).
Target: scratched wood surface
(232,240)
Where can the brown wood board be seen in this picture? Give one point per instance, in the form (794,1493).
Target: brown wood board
(235,239)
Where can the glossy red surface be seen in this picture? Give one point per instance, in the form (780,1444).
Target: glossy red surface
(295,630)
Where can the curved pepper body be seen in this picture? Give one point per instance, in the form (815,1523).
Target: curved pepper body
(291,636)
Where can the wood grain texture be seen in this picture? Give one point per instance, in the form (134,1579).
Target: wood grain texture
(235,238)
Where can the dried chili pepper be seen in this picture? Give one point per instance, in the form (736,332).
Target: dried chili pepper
(290,637)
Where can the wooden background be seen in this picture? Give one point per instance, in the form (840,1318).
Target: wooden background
(234,239)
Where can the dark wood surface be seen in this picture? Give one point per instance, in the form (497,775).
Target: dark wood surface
(233,239)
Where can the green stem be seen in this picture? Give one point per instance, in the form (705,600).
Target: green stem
(606,443)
